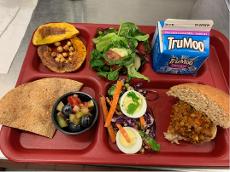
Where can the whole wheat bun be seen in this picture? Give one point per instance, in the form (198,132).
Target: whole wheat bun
(207,99)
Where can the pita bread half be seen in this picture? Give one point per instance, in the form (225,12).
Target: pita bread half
(28,107)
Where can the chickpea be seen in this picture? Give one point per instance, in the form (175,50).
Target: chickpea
(66,48)
(53,54)
(60,56)
(62,60)
(70,54)
(57,44)
(59,49)
(69,43)
(65,54)
(71,48)
(57,59)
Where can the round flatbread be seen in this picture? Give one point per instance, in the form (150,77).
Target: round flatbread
(77,59)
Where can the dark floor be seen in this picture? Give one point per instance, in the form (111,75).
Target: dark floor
(6,165)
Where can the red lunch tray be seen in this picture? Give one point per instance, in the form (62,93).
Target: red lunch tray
(94,147)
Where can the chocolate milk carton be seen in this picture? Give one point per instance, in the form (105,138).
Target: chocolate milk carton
(181,46)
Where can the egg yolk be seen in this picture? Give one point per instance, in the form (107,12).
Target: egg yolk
(132,137)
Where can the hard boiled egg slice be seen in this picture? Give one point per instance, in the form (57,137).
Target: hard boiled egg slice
(133,104)
(136,141)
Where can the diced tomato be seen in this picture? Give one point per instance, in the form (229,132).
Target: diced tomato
(76,108)
(73,100)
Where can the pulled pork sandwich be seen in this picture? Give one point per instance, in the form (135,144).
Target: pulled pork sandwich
(195,117)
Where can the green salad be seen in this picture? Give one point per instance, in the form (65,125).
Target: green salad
(120,51)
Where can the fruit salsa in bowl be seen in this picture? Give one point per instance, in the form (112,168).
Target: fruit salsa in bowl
(74,113)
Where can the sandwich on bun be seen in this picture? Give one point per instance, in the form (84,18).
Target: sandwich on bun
(195,117)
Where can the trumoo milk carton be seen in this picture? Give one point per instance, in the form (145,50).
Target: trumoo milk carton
(181,46)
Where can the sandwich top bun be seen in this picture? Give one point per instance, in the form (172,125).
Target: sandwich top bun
(207,99)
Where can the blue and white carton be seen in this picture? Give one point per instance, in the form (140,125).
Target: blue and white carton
(181,46)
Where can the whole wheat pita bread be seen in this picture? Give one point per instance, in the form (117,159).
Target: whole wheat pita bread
(28,106)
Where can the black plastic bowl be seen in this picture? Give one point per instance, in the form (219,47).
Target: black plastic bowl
(83,97)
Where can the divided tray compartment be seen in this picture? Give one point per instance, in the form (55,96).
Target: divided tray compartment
(94,146)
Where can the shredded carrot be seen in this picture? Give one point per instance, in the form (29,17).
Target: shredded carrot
(142,122)
(124,133)
(110,129)
(113,106)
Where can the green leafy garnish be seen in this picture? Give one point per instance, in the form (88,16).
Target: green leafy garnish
(150,141)
(132,107)
(134,97)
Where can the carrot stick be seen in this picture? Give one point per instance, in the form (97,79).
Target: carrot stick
(112,134)
(104,107)
(109,102)
(110,129)
(124,133)
(142,122)
(113,106)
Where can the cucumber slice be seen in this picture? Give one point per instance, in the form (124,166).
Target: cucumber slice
(60,106)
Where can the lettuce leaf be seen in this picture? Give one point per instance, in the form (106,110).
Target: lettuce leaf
(110,40)
(127,29)
(130,30)
(133,73)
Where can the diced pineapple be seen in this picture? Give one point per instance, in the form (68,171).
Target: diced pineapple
(79,114)
(84,110)
(60,106)
(73,118)
(90,104)
(61,120)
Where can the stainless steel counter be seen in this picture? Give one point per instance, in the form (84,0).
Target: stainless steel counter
(144,12)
